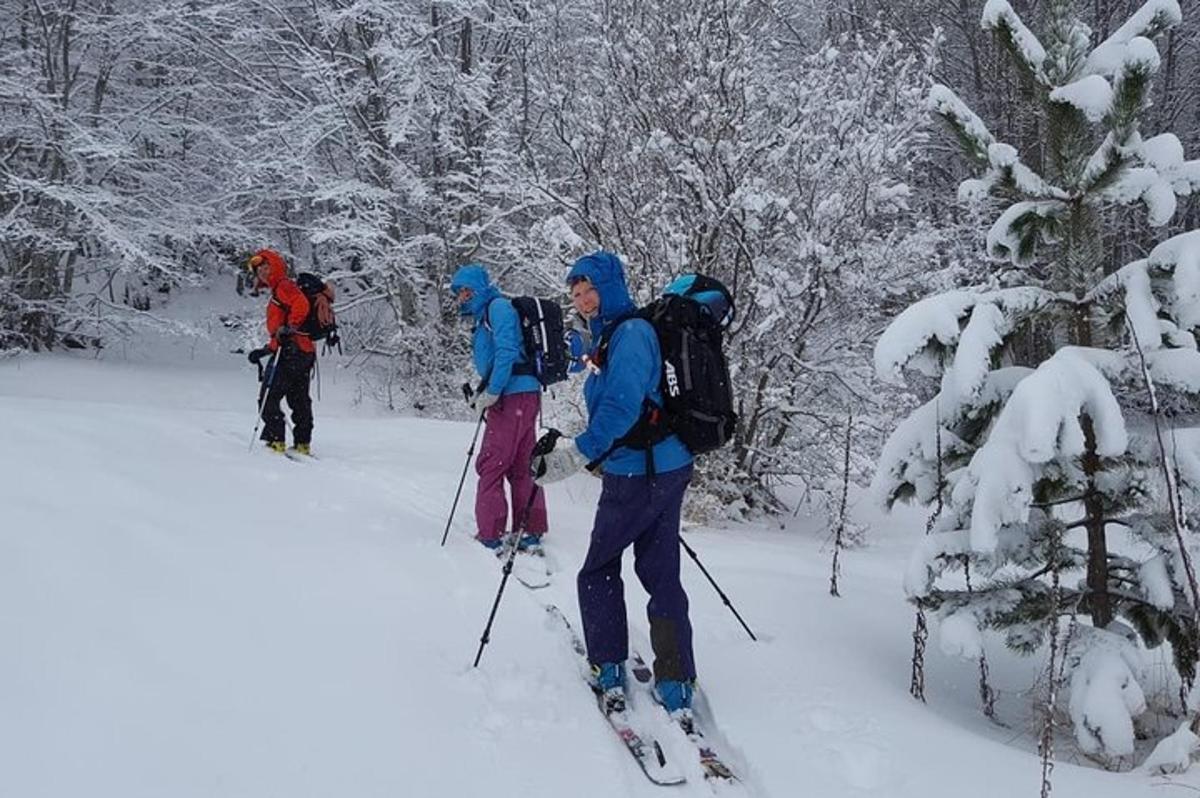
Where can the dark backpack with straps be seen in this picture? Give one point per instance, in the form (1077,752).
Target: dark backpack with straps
(542,339)
(689,320)
(320,323)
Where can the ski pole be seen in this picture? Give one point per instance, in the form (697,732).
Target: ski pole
(514,546)
(463,478)
(717,587)
(543,447)
(266,389)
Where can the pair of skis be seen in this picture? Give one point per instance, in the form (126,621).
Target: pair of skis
(532,570)
(645,750)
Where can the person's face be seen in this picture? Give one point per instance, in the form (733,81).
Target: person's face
(463,296)
(258,269)
(585,298)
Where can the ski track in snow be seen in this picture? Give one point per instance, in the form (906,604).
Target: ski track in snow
(183,618)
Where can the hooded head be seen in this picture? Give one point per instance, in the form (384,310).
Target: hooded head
(474,277)
(605,272)
(276,267)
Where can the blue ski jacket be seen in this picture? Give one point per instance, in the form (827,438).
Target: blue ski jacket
(616,396)
(496,345)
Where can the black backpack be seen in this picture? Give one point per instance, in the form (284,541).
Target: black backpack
(542,337)
(689,320)
(320,323)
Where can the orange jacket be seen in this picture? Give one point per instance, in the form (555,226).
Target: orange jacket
(288,303)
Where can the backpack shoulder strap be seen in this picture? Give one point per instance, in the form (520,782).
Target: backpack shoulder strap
(609,331)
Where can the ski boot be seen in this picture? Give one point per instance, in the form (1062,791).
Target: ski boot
(492,545)
(676,698)
(530,544)
(608,680)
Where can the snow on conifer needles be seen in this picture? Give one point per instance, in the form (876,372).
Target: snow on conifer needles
(1056,501)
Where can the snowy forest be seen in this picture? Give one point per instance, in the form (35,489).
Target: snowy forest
(963,238)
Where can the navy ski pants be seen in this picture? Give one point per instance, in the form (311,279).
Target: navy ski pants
(644,512)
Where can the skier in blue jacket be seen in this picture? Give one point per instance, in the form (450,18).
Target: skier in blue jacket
(511,399)
(641,496)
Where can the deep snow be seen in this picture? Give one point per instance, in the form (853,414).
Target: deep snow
(182,618)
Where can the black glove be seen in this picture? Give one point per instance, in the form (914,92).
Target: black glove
(285,333)
(257,355)
(469,393)
(543,447)
(546,443)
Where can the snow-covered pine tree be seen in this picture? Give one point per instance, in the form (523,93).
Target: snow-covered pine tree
(1044,414)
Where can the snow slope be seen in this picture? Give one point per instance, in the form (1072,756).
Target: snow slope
(182,618)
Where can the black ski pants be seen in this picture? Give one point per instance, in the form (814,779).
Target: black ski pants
(293,373)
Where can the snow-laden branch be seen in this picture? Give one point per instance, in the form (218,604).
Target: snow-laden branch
(1153,18)
(924,334)
(1039,423)
(999,16)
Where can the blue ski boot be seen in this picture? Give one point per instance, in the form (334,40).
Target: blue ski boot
(676,698)
(608,680)
(530,544)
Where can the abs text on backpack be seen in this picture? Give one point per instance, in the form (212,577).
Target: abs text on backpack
(320,323)
(541,339)
(689,320)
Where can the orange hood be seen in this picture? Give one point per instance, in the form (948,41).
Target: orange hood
(276,266)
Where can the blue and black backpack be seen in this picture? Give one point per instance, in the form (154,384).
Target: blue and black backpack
(546,356)
(689,320)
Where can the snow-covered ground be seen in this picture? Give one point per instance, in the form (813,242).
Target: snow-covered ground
(181,618)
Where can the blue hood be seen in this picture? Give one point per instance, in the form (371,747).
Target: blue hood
(604,271)
(475,277)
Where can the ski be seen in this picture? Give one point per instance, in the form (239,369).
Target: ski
(714,768)
(531,570)
(645,750)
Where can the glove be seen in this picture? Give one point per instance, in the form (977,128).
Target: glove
(469,392)
(484,400)
(285,332)
(257,355)
(558,464)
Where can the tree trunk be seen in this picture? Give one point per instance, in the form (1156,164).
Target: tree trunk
(1099,601)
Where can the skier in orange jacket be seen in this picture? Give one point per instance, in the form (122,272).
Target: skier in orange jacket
(290,371)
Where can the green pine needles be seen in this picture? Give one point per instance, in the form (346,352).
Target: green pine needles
(1053,379)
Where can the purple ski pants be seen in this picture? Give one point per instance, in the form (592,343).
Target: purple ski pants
(644,512)
(505,454)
